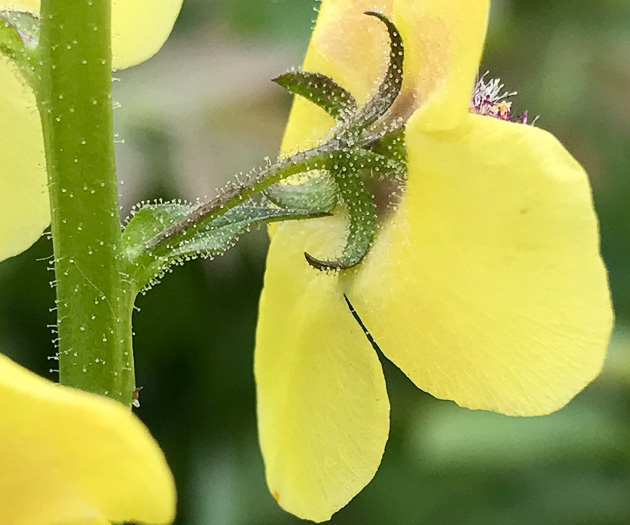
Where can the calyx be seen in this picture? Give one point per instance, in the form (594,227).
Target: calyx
(363,144)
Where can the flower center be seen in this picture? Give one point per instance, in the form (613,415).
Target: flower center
(490,98)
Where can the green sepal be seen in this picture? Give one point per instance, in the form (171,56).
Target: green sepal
(146,266)
(391,146)
(361,209)
(318,193)
(379,165)
(321,90)
(392,82)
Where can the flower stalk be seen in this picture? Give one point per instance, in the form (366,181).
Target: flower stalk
(94,303)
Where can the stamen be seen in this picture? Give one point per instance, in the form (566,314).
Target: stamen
(490,99)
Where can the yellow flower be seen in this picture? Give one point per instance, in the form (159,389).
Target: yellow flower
(139,28)
(69,457)
(484,286)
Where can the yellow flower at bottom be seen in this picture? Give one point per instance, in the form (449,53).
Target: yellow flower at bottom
(71,458)
(484,285)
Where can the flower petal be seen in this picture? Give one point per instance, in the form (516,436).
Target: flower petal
(24,206)
(443,45)
(487,286)
(75,457)
(323,411)
(139,27)
(31,6)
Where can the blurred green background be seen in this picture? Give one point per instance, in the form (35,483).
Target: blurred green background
(204,109)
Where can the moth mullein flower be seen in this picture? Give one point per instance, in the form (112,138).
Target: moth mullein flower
(139,28)
(484,283)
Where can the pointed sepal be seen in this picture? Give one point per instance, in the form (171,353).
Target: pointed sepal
(361,210)
(321,90)
(391,85)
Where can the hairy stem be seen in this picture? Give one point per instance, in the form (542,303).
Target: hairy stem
(94,302)
(316,158)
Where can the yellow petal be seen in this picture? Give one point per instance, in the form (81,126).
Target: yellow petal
(487,287)
(24,206)
(323,411)
(75,458)
(443,45)
(139,27)
(31,6)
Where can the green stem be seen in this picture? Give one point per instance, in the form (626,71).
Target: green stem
(94,302)
(315,158)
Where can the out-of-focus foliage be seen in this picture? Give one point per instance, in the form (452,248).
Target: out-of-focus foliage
(204,109)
